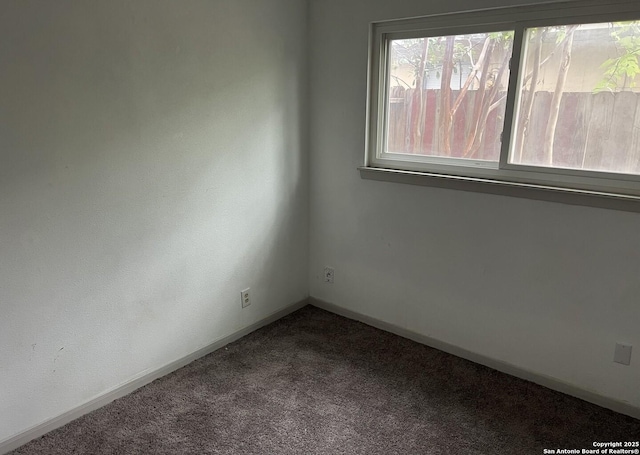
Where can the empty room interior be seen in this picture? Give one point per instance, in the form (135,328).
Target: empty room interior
(212,184)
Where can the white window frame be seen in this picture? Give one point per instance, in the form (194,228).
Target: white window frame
(420,169)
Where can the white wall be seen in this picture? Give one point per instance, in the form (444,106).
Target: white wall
(545,287)
(152,164)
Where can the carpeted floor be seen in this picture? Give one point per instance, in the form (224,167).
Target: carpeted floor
(317,383)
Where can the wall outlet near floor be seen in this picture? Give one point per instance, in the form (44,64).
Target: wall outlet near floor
(622,354)
(328,274)
(246,297)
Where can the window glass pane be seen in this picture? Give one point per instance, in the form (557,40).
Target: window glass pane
(579,104)
(446,95)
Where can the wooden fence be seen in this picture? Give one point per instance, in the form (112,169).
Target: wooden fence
(594,131)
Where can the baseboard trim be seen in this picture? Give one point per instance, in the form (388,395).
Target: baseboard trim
(504,367)
(136,382)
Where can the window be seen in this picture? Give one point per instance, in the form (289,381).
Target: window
(542,97)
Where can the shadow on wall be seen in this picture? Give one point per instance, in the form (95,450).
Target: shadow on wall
(147,176)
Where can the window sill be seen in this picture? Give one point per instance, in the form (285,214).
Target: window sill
(612,201)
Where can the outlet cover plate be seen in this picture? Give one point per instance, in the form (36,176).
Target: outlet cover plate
(245,297)
(622,354)
(329,272)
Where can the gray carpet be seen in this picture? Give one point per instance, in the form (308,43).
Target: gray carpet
(317,383)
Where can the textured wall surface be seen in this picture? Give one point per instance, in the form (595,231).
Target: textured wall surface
(546,287)
(152,165)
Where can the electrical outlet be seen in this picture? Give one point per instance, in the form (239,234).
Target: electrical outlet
(622,354)
(328,274)
(245,297)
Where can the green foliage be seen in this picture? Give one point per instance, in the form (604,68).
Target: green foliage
(503,38)
(622,70)
(561,34)
(467,49)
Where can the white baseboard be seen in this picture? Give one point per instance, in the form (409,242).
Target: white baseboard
(136,382)
(546,381)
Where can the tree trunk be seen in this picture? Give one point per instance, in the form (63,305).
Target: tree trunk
(445,97)
(527,106)
(550,133)
(489,103)
(472,76)
(417,126)
(478,104)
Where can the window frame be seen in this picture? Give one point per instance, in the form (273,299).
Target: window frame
(590,183)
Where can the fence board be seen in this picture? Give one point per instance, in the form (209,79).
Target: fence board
(618,144)
(490,146)
(633,163)
(593,130)
(533,147)
(570,138)
(598,130)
